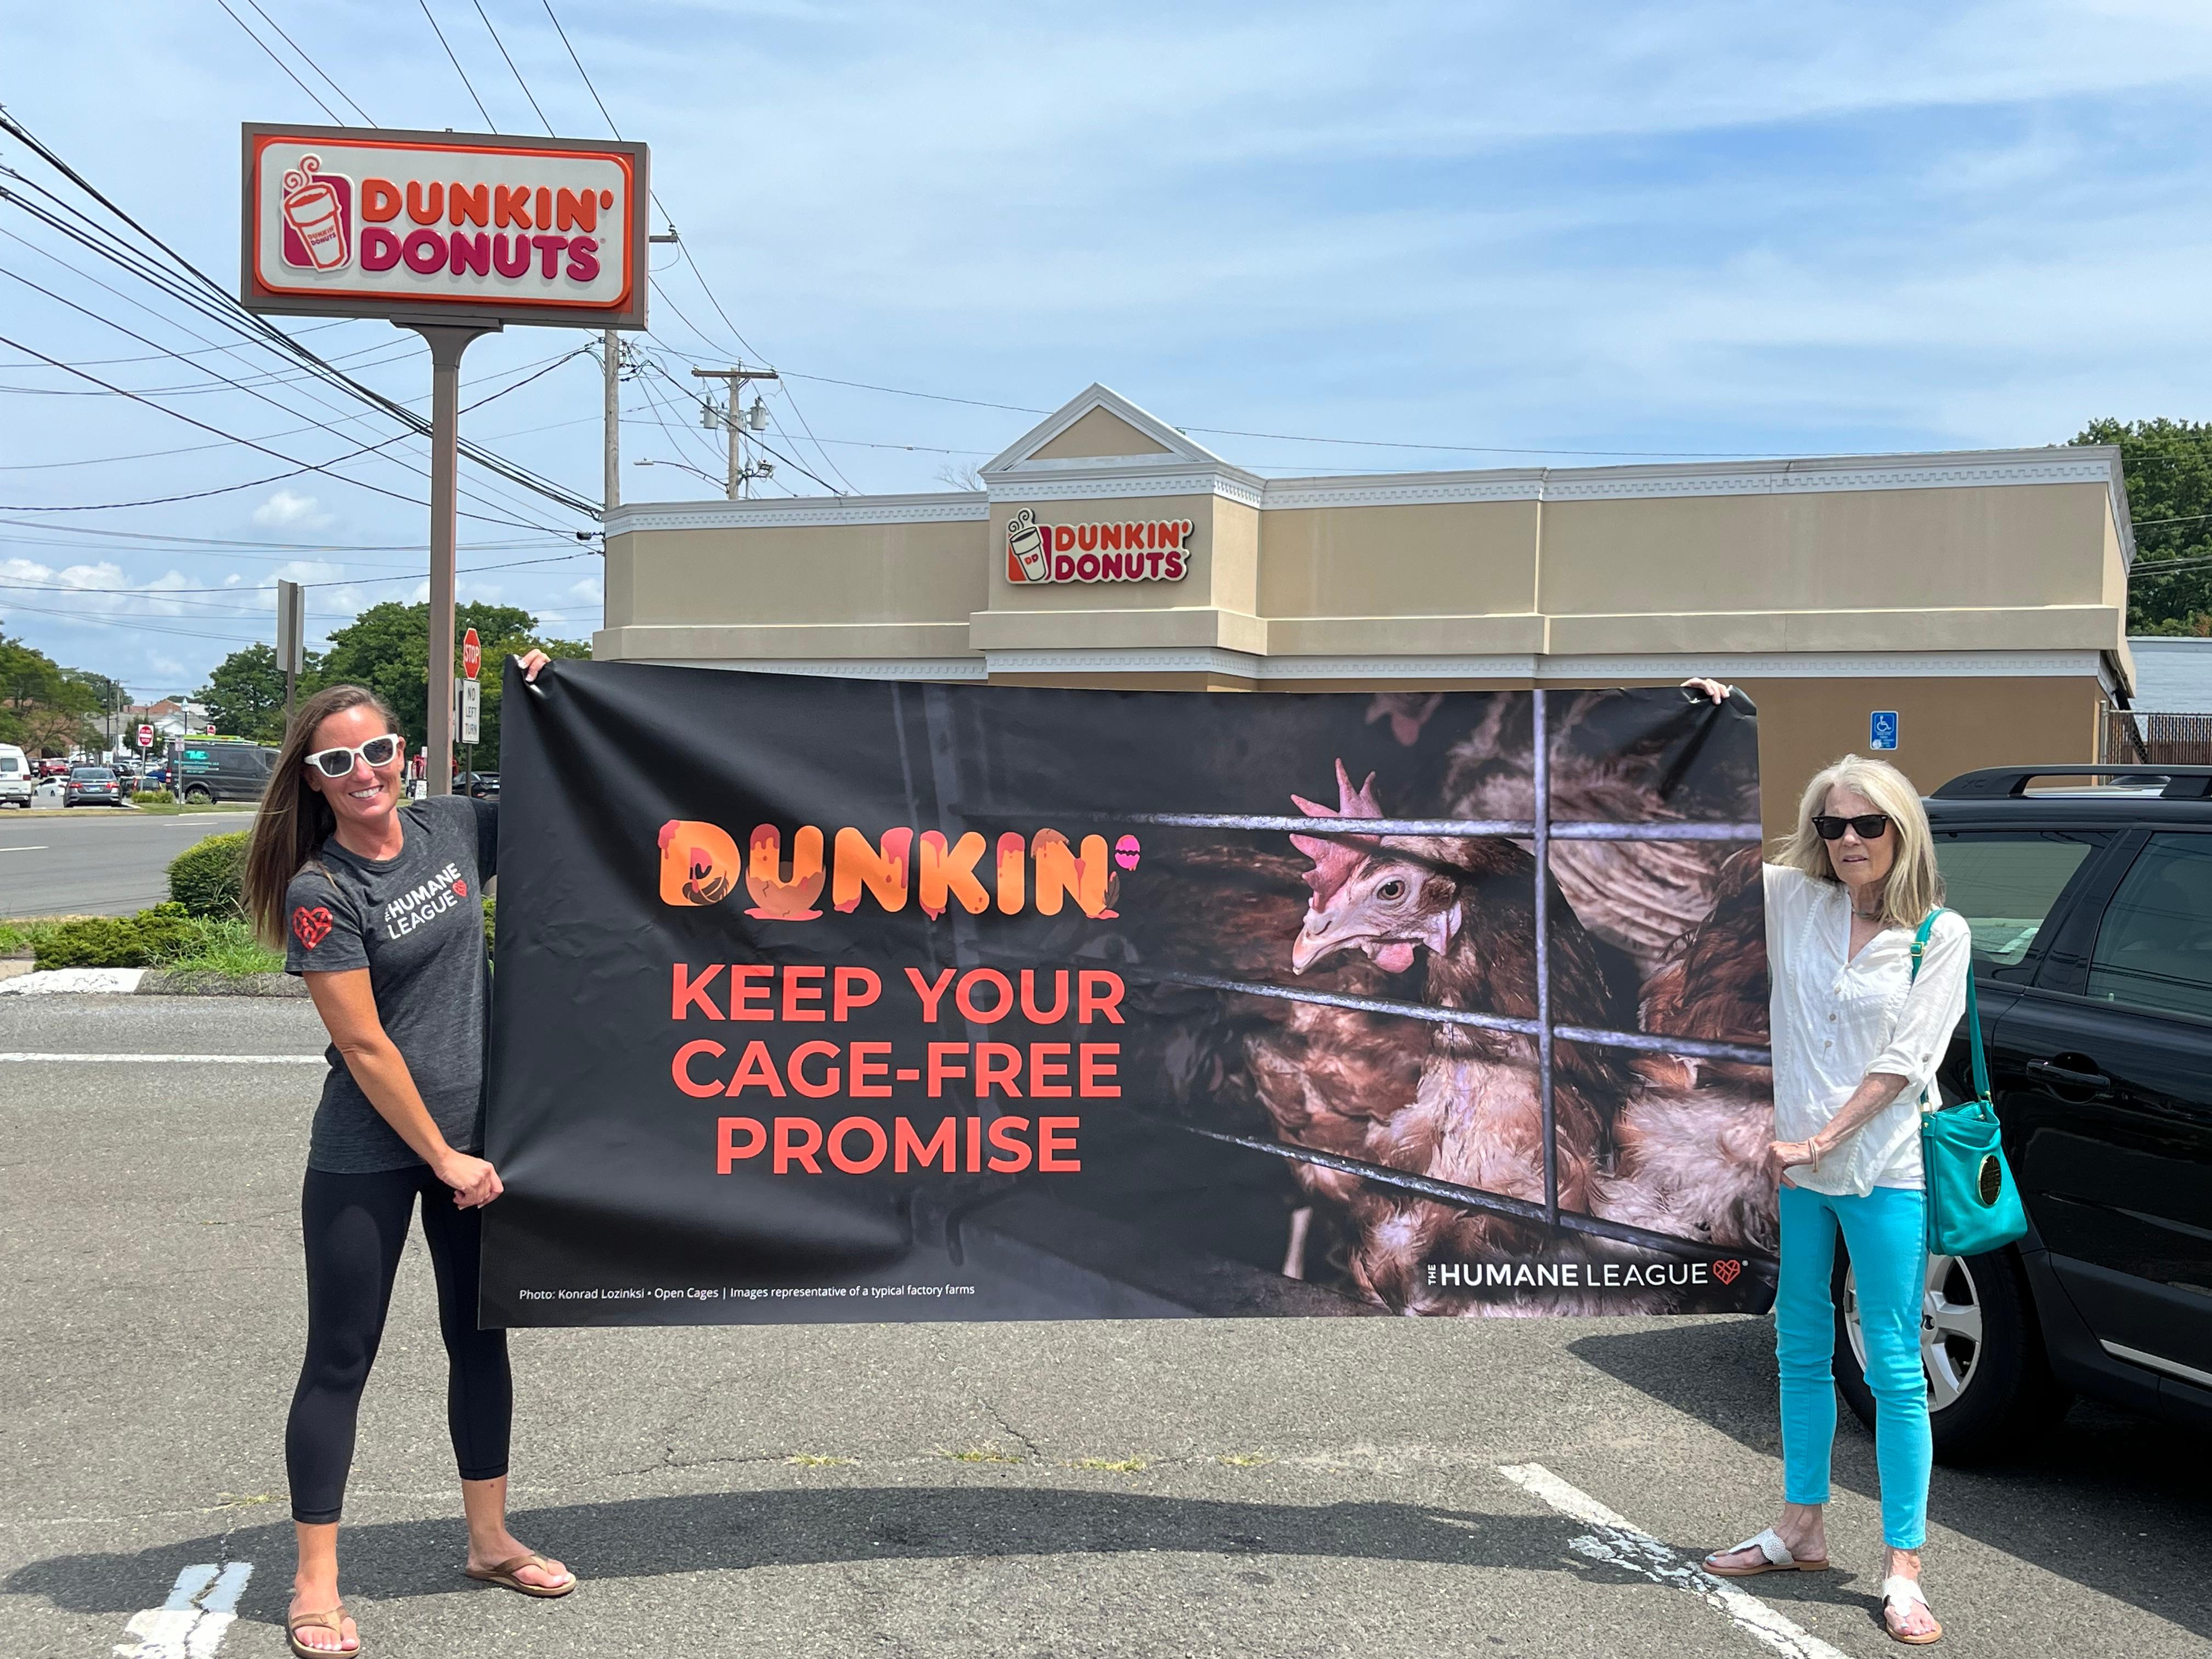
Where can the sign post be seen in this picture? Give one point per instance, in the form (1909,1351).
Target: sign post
(454,236)
(291,643)
(472,705)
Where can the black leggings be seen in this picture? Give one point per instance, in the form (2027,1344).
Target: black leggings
(355,1226)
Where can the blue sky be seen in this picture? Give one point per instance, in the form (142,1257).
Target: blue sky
(1701,228)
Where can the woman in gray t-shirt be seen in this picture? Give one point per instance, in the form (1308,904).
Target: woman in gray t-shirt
(378,902)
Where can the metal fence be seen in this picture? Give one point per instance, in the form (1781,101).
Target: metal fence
(1540,831)
(2150,738)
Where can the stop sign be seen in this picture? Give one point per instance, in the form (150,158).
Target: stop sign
(471,653)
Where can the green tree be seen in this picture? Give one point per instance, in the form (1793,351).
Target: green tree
(386,648)
(44,706)
(245,695)
(2168,468)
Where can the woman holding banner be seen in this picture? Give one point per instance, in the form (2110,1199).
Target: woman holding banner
(377,902)
(1857,1036)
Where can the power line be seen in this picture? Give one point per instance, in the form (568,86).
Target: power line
(490,126)
(515,72)
(336,118)
(581,70)
(344,437)
(306,58)
(300,466)
(257,328)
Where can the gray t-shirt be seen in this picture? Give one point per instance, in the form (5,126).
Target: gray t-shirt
(416,923)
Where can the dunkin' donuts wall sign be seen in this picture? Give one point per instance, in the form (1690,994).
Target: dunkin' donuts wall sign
(1125,550)
(341,221)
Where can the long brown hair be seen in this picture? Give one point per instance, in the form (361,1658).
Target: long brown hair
(295,819)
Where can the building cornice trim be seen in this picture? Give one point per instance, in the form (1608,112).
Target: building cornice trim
(945,507)
(935,670)
(1586,670)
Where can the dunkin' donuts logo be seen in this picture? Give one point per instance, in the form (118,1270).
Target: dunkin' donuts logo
(319,231)
(1153,549)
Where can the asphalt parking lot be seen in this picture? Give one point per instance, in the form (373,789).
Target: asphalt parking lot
(96,860)
(1323,1487)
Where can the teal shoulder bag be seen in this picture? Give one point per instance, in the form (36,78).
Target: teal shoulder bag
(1973,1204)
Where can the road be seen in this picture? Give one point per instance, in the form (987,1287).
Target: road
(96,860)
(1323,1487)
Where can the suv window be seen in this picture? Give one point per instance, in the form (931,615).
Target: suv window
(2004,885)
(2154,945)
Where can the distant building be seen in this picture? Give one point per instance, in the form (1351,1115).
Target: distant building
(1952,610)
(2173,676)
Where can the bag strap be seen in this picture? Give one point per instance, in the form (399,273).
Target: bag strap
(1981,1065)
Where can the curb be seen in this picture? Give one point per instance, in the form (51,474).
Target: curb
(150,982)
(163,983)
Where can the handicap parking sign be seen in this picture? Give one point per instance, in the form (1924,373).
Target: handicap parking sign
(1881,729)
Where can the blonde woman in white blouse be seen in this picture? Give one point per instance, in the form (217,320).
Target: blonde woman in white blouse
(1856,1040)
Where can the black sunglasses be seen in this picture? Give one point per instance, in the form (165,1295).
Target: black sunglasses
(1869,826)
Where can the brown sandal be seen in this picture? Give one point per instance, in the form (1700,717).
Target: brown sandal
(504,1574)
(329,1618)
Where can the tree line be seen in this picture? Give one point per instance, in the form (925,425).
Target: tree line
(386,648)
(48,709)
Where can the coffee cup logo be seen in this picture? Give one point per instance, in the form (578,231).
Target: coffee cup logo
(318,217)
(1028,558)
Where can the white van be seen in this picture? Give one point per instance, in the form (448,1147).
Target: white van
(16,779)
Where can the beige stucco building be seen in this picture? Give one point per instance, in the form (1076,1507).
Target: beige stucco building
(1980,597)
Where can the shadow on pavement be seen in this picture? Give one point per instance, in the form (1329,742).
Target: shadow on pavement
(654,1537)
(2111,1501)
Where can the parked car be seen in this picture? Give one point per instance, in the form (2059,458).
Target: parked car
(220,768)
(484,785)
(2091,909)
(54,767)
(92,785)
(156,776)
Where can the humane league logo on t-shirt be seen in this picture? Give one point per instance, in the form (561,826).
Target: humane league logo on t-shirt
(418,906)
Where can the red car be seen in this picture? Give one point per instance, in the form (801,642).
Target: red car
(52,768)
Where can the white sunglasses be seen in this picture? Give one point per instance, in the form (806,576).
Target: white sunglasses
(377,751)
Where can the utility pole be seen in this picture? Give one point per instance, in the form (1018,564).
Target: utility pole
(611,351)
(610,355)
(738,420)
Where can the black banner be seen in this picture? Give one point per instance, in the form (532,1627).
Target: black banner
(837,1000)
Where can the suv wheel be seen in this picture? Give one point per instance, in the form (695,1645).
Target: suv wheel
(199,795)
(1989,1386)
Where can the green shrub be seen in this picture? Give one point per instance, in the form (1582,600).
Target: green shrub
(152,798)
(489,904)
(139,941)
(205,877)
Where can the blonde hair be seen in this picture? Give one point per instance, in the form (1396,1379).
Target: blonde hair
(1914,885)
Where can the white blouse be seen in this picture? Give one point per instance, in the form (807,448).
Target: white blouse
(1836,1017)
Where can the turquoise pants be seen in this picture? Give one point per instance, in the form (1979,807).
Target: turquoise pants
(1886,1235)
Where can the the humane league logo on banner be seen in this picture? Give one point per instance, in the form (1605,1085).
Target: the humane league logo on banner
(1036,1003)
(1126,550)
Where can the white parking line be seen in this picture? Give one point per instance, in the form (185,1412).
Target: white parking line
(193,1622)
(40,847)
(1620,1543)
(164,1059)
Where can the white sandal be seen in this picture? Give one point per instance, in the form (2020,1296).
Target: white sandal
(1902,1594)
(1777,1558)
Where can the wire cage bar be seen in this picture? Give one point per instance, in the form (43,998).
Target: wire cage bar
(1540,831)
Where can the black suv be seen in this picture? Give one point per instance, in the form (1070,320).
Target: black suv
(2091,908)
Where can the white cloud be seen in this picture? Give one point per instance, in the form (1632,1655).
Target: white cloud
(288,510)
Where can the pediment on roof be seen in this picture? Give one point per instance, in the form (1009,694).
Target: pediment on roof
(1099,427)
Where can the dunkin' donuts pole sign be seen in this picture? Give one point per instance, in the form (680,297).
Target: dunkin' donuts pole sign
(429,226)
